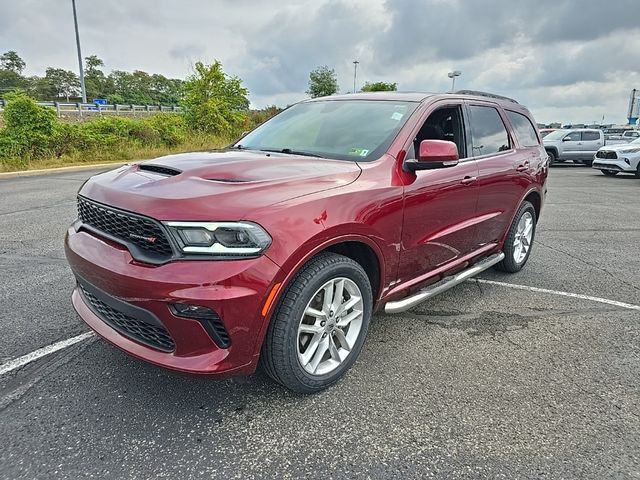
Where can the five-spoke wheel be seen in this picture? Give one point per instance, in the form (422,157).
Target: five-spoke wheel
(320,324)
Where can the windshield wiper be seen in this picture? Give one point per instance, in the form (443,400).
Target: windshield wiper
(289,151)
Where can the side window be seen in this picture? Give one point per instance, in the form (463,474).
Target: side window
(524,129)
(488,132)
(443,124)
(591,136)
(573,136)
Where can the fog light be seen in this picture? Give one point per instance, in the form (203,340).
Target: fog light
(197,312)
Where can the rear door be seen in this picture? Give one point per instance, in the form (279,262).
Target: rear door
(592,140)
(500,180)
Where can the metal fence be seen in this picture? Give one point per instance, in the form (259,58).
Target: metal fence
(89,109)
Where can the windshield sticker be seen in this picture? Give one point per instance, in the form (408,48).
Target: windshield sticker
(397,116)
(361,152)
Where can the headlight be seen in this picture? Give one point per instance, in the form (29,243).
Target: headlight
(224,239)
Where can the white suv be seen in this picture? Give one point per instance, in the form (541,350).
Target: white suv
(614,159)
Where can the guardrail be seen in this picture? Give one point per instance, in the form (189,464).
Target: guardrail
(80,109)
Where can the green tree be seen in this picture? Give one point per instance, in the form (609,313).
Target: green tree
(61,83)
(94,78)
(10,80)
(380,87)
(322,82)
(11,61)
(214,101)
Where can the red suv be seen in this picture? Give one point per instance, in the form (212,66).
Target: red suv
(279,249)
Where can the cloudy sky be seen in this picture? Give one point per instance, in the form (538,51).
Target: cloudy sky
(568,60)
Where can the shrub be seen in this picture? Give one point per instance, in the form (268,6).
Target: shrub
(170,128)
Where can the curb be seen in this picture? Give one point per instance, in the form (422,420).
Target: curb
(74,168)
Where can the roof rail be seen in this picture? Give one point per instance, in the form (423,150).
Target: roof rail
(485,94)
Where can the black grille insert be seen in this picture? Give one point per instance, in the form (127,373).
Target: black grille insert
(171,172)
(154,336)
(606,154)
(144,236)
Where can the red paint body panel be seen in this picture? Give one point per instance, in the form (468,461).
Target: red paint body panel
(419,226)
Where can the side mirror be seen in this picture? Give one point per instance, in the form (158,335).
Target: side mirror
(566,139)
(434,154)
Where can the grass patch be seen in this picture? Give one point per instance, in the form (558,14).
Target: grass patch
(119,153)
(33,138)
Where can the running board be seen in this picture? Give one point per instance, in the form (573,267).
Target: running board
(445,284)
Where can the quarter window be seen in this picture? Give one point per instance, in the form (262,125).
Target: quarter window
(487,131)
(524,129)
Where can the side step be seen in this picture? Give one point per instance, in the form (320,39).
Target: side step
(445,284)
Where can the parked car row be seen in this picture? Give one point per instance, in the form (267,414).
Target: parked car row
(591,147)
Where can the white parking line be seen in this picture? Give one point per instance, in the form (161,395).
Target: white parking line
(41,352)
(615,303)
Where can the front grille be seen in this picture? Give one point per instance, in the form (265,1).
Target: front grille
(153,336)
(144,233)
(606,154)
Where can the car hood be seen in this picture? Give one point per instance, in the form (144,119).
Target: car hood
(221,185)
(621,147)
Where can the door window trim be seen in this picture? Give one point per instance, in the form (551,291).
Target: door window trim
(480,103)
(432,108)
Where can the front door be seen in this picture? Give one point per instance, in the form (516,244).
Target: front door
(572,146)
(439,205)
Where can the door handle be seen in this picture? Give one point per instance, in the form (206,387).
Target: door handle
(524,167)
(468,180)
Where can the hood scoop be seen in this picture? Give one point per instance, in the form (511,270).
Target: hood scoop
(168,171)
(228,180)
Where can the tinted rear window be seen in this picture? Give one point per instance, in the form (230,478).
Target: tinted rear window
(591,135)
(488,131)
(525,131)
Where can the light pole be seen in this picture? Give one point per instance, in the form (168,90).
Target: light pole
(452,76)
(355,73)
(75,21)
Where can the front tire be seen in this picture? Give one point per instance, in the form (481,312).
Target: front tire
(319,327)
(519,241)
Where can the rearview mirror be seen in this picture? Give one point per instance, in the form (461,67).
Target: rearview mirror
(434,154)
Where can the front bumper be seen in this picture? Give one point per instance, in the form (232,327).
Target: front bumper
(144,324)
(617,165)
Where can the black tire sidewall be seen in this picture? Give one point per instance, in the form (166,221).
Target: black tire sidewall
(509,264)
(298,294)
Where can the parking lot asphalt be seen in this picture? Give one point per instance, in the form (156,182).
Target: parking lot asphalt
(484,381)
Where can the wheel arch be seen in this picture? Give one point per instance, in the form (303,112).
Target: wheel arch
(357,247)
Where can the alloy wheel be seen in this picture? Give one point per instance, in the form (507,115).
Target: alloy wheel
(330,326)
(523,237)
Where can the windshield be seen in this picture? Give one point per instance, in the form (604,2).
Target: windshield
(557,135)
(636,141)
(338,129)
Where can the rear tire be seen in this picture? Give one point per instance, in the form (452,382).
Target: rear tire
(609,173)
(315,336)
(588,163)
(519,242)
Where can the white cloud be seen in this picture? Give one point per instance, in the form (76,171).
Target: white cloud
(568,60)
